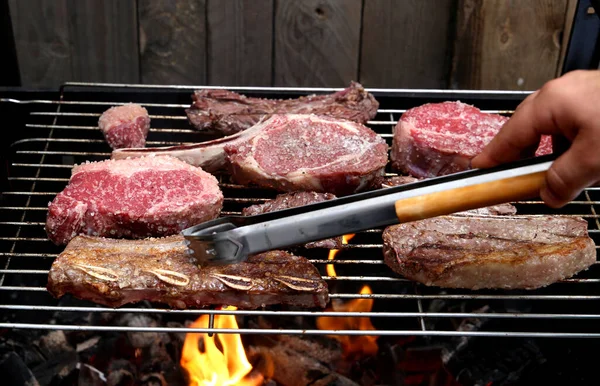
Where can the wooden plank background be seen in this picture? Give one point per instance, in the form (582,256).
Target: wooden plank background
(469,44)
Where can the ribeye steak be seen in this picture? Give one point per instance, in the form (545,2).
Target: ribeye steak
(292,200)
(309,153)
(229,112)
(116,272)
(441,138)
(502,252)
(133,198)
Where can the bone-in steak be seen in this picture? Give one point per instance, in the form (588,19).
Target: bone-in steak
(309,153)
(292,200)
(441,138)
(504,252)
(229,112)
(116,272)
(133,198)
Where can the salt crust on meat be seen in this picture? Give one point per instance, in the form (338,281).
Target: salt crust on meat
(133,198)
(310,153)
(125,126)
(498,252)
(441,138)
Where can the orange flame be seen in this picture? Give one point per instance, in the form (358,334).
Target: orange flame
(333,252)
(216,360)
(354,346)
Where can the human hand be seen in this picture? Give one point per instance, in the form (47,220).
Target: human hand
(568,109)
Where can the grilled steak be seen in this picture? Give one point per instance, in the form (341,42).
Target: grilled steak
(135,198)
(229,112)
(292,200)
(309,153)
(116,272)
(125,126)
(475,252)
(441,138)
(494,210)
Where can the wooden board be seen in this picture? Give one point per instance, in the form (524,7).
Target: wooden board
(240,42)
(569,17)
(172,41)
(513,45)
(104,40)
(316,42)
(407,44)
(42,41)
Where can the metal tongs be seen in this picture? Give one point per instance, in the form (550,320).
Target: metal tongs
(232,239)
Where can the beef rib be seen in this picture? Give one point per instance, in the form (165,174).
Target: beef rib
(229,112)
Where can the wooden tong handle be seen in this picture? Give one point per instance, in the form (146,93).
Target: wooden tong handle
(470,197)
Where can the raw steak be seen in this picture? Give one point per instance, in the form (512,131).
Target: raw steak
(504,252)
(125,126)
(494,210)
(135,198)
(117,272)
(229,112)
(441,138)
(309,153)
(292,200)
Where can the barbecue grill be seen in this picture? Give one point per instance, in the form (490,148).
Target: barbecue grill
(60,132)
(47,132)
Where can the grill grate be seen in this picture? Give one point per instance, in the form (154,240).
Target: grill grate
(60,133)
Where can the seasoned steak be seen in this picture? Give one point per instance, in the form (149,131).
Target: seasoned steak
(229,112)
(441,138)
(133,198)
(292,200)
(494,210)
(125,126)
(117,272)
(504,252)
(309,153)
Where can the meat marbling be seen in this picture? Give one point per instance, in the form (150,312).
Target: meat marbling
(500,252)
(229,112)
(115,272)
(441,138)
(134,198)
(292,200)
(125,126)
(290,153)
(309,153)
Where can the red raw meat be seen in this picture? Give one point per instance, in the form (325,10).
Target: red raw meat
(125,126)
(441,138)
(133,198)
(311,153)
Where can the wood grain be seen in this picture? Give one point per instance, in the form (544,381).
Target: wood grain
(104,40)
(42,41)
(316,42)
(569,17)
(408,45)
(240,42)
(173,41)
(512,45)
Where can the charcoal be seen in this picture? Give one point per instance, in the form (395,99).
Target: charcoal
(56,368)
(15,372)
(54,343)
(121,373)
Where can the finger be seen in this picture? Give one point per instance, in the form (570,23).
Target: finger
(517,138)
(572,172)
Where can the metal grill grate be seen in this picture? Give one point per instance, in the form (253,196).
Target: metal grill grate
(59,133)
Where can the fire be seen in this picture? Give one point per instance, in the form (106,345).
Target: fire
(354,346)
(333,252)
(217,360)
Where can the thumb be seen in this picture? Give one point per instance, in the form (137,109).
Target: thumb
(572,172)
